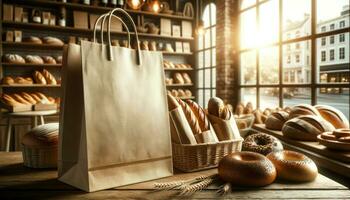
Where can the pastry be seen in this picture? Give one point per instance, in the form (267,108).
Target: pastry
(261,143)
(303,109)
(49,60)
(21,80)
(33,40)
(328,136)
(333,115)
(8,100)
(169,81)
(191,117)
(276,120)
(53,41)
(34,59)
(306,127)
(247,169)
(20,99)
(28,98)
(13,58)
(293,166)
(39,78)
(341,132)
(50,79)
(200,115)
(178,79)
(7,80)
(215,106)
(186,78)
(188,93)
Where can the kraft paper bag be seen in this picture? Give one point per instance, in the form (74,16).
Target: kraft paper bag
(114,127)
(181,132)
(225,129)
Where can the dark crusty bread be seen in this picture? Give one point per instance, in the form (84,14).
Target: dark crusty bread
(303,109)
(333,115)
(276,120)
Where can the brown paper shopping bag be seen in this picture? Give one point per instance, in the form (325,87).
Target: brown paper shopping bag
(114,126)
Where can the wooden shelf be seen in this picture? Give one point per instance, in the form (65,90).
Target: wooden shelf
(67,29)
(178,69)
(32,45)
(30,65)
(96,9)
(184,98)
(177,53)
(180,85)
(29,86)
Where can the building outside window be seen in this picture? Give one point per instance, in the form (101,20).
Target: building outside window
(323,56)
(297,58)
(323,43)
(331,54)
(323,29)
(331,39)
(342,24)
(342,37)
(331,27)
(342,53)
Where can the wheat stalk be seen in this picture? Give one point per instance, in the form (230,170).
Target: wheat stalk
(224,189)
(192,188)
(178,184)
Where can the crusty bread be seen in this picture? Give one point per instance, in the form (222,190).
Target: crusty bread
(225,113)
(172,102)
(13,58)
(239,109)
(42,97)
(186,78)
(303,109)
(59,59)
(276,120)
(175,93)
(39,78)
(257,114)
(50,79)
(49,60)
(333,115)
(306,127)
(8,100)
(35,97)
(20,99)
(33,59)
(200,115)
(215,106)
(21,80)
(178,79)
(53,41)
(33,40)
(188,93)
(7,80)
(191,117)
(28,98)
(181,93)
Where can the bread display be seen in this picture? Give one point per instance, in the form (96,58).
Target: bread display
(31,59)
(50,79)
(39,78)
(49,60)
(178,79)
(180,93)
(276,120)
(10,101)
(29,98)
(20,99)
(21,80)
(200,115)
(303,109)
(33,40)
(191,117)
(7,80)
(186,78)
(13,58)
(333,115)
(306,127)
(52,41)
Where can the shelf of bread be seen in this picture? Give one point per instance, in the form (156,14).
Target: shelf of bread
(82,30)
(29,65)
(29,85)
(32,45)
(100,9)
(170,66)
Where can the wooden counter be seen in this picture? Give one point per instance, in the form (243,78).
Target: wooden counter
(19,182)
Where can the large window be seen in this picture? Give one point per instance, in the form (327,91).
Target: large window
(206,54)
(284,49)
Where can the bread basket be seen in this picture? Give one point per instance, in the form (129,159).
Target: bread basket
(190,158)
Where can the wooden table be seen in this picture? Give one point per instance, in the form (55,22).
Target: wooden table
(17,182)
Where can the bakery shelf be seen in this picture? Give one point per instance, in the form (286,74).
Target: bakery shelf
(177,53)
(30,65)
(32,45)
(96,9)
(180,85)
(67,29)
(28,86)
(178,69)
(184,98)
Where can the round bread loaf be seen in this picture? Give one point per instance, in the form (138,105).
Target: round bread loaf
(303,109)
(49,60)
(333,115)
(181,93)
(276,120)
(306,127)
(53,41)
(59,59)
(247,169)
(178,79)
(32,39)
(34,59)
(7,80)
(215,106)
(188,93)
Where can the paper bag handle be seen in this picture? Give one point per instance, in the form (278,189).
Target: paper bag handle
(110,54)
(103,17)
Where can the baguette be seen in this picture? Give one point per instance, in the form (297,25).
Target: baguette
(42,97)
(35,97)
(20,99)
(172,102)
(28,98)
(39,78)
(200,115)
(50,79)
(8,100)
(191,117)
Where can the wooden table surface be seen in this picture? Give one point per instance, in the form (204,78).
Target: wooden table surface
(19,182)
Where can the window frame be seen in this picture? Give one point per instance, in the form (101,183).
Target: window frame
(314,85)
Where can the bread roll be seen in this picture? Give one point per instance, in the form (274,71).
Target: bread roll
(215,106)
(28,98)
(7,80)
(191,117)
(181,93)
(186,78)
(34,60)
(20,99)
(175,93)
(8,100)
(50,79)
(39,78)
(303,109)
(333,115)
(49,60)
(276,120)
(33,40)
(13,58)
(178,79)
(306,127)
(200,115)
(53,41)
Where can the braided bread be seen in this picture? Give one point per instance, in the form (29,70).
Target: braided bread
(200,115)
(191,117)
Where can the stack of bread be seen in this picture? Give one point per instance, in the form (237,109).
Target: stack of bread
(30,59)
(24,98)
(182,78)
(180,93)
(44,77)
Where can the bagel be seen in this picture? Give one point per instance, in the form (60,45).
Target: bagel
(261,143)
(247,169)
(293,166)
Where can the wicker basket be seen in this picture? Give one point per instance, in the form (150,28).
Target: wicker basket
(40,157)
(189,158)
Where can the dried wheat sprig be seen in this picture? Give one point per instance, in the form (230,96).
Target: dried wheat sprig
(190,189)
(224,189)
(195,180)
(177,184)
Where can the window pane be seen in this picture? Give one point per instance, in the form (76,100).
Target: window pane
(332,15)
(207,58)
(269,98)
(201,98)
(297,62)
(269,65)
(248,29)
(213,57)
(336,97)
(207,39)
(213,78)
(248,95)
(213,91)
(247,3)
(294,96)
(296,18)
(200,79)
(213,13)
(269,23)
(213,35)
(200,42)
(206,16)
(206,96)
(200,59)
(248,68)
(207,78)
(333,60)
